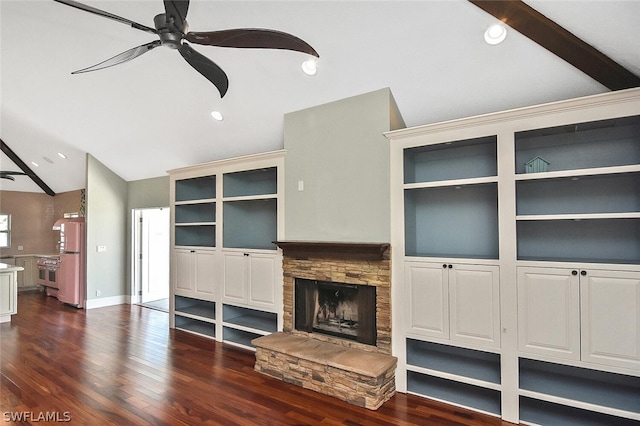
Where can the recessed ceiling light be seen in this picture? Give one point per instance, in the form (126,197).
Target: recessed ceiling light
(495,34)
(61,155)
(217,115)
(35,164)
(309,67)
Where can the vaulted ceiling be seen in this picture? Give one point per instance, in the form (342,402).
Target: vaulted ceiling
(152,114)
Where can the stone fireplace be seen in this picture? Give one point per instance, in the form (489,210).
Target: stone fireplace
(336,335)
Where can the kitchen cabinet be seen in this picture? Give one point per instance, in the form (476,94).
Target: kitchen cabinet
(28,278)
(8,291)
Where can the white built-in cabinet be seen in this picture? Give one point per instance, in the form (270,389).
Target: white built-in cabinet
(226,269)
(516,261)
(195,273)
(454,301)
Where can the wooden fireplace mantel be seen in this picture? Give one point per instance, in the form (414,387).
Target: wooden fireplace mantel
(333,250)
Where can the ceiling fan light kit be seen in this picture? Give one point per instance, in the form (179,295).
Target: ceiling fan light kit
(173,32)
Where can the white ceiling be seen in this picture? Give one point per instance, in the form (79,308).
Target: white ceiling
(149,115)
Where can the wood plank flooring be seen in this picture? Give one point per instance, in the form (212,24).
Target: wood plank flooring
(122,365)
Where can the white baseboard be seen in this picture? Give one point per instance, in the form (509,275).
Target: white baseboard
(106,301)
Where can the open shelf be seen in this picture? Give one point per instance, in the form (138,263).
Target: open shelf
(479,398)
(265,322)
(605,143)
(617,193)
(251,182)
(596,387)
(540,412)
(452,221)
(250,224)
(200,188)
(239,337)
(193,325)
(593,240)
(197,307)
(195,213)
(455,360)
(448,161)
(195,235)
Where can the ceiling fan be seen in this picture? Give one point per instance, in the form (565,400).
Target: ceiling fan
(173,30)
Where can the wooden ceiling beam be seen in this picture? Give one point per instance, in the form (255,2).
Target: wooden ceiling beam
(542,30)
(14,157)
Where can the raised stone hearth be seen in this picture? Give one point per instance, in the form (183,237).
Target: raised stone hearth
(362,378)
(362,374)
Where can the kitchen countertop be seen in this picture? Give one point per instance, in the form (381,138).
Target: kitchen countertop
(15,256)
(4,267)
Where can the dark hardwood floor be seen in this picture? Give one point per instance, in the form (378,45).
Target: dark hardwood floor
(122,365)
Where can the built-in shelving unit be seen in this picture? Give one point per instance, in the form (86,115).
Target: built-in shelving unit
(241,325)
(226,271)
(195,212)
(516,268)
(450,192)
(586,200)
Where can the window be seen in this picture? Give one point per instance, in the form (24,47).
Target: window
(5,230)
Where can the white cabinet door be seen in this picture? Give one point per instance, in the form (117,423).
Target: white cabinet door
(194,273)
(8,295)
(250,279)
(427,295)
(262,281)
(610,308)
(474,297)
(549,312)
(234,278)
(183,274)
(206,277)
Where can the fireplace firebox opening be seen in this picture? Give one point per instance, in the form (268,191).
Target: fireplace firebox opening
(346,311)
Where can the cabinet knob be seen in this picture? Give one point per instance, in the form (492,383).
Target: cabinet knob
(583,273)
(450,266)
(444,265)
(574,272)
(246,254)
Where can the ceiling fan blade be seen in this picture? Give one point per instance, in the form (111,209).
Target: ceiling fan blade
(9,175)
(122,57)
(252,38)
(177,9)
(206,67)
(99,12)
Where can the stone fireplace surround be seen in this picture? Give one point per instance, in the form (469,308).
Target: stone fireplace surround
(361,374)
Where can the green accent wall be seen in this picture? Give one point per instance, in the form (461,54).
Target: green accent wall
(339,152)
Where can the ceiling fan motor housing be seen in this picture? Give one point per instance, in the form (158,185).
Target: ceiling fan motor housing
(170,35)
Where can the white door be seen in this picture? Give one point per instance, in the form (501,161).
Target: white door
(474,295)
(610,307)
(427,287)
(151,240)
(549,312)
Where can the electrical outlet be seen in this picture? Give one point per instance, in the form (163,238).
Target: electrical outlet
(20,248)
(98,292)
(101,249)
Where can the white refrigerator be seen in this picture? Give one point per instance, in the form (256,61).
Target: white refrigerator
(71,275)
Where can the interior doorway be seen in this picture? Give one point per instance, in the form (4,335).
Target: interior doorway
(151,257)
